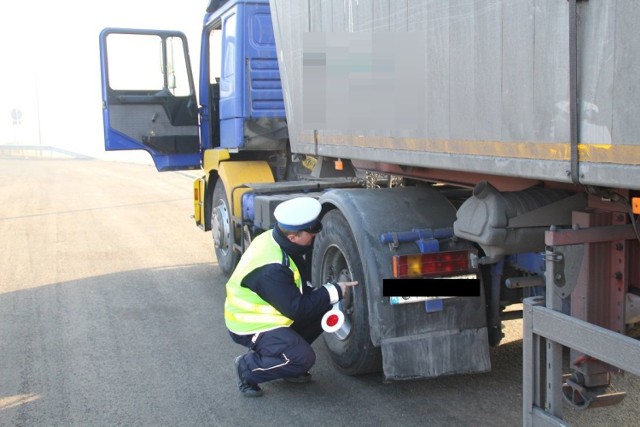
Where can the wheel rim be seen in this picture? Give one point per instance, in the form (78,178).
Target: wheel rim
(336,269)
(220,227)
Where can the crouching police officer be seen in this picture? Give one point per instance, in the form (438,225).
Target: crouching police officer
(271,307)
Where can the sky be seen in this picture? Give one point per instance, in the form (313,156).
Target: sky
(50,67)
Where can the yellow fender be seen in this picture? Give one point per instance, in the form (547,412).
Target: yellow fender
(233,174)
(237,173)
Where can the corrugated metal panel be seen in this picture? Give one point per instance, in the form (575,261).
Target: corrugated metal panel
(494,96)
(551,75)
(462,83)
(437,69)
(625,54)
(596,66)
(488,57)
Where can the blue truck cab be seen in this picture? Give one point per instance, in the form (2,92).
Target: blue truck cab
(240,89)
(148,93)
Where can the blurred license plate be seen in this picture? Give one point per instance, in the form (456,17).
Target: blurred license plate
(410,300)
(431,304)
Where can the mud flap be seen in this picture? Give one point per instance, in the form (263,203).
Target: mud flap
(435,354)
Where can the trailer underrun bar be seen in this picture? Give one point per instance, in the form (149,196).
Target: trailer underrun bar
(547,330)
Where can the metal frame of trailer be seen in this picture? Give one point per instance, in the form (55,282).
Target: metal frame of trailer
(546,330)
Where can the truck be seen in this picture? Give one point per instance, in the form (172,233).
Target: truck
(494,142)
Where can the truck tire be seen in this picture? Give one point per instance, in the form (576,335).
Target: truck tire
(221,230)
(336,258)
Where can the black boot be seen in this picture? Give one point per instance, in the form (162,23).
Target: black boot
(247,389)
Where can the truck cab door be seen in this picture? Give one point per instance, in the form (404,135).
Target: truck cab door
(148,97)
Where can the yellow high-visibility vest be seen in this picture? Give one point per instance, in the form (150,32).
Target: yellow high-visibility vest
(245,312)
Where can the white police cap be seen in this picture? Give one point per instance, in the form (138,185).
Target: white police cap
(300,213)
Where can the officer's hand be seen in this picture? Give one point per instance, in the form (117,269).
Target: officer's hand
(346,285)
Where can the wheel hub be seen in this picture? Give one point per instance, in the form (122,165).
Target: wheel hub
(335,269)
(220,228)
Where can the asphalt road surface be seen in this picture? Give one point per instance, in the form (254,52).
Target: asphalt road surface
(111,314)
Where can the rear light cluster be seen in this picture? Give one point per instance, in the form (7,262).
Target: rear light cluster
(431,265)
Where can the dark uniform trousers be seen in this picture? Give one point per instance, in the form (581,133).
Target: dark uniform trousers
(280,353)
